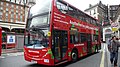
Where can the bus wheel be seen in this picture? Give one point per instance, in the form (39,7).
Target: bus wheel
(74,55)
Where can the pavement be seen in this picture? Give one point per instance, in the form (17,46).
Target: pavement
(106,57)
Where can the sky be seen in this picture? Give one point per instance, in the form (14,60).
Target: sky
(84,4)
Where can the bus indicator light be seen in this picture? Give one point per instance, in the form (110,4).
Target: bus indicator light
(49,34)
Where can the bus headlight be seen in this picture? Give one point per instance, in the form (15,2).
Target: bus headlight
(46,60)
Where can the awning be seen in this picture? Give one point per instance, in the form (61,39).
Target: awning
(12,25)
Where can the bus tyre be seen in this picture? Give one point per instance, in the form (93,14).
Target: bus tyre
(74,55)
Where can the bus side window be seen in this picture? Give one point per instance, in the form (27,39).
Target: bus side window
(94,37)
(74,37)
(71,39)
(70,11)
(82,37)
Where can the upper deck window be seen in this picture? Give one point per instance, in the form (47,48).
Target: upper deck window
(39,14)
(74,12)
(62,7)
(43,6)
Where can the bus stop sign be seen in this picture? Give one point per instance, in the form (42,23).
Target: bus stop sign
(115,26)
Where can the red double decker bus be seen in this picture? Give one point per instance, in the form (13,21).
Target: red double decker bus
(57,32)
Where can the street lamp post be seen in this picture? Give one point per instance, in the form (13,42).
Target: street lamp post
(30,3)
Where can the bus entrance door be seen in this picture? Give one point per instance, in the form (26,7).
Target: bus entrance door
(89,44)
(59,45)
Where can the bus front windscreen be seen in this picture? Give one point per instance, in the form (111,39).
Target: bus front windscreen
(37,38)
(37,26)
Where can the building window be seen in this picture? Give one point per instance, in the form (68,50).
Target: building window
(0,15)
(7,0)
(12,6)
(7,4)
(12,10)
(21,8)
(12,15)
(21,12)
(20,18)
(17,1)
(13,1)
(90,12)
(17,7)
(113,8)
(1,8)
(94,11)
(26,1)
(6,14)
(1,3)
(12,19)
(22,2)
(16,11)
(16,16)
(6,18)
(7,9)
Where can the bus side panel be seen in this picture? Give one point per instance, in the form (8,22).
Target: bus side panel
(81,48)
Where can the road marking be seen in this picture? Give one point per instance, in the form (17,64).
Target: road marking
(15,54)
(12,54)
(102,59)
(2,57)
(103,56)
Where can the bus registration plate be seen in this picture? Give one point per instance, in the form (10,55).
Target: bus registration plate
(33,61)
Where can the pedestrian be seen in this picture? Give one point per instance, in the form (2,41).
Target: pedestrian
(114,46)
(96,46)
(108,43)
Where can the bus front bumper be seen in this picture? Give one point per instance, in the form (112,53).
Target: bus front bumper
(43,61)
